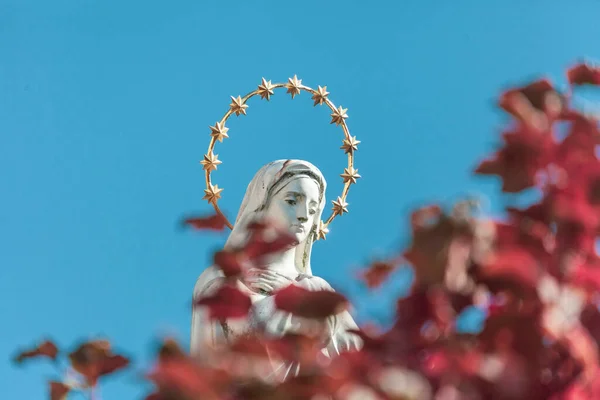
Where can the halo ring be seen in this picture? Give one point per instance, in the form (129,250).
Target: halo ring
(265,90)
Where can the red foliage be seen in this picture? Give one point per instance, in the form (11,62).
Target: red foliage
(94,360)
(45,349)
(214,222)
(582,74)
(227,302)
(377,273)
(58,390)
(305,303)
(264,239)
(536,270)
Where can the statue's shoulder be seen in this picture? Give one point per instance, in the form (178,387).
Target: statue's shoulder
(313,282)
(207,279)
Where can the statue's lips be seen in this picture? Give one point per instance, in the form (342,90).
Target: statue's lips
(298,228)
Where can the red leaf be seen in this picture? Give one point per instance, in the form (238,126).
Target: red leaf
(258,247)
(520,332)
(227,302)
(295,347)
(230,262)
(215,222)
(434,234)
(573,238)
(94,360)
(310,304)
(425,216)
(377,273)
(579,146)
(183,379)
(587,275)
(535,93)
(112,364)
(249,346)
(517,163)
(58,391)
(527,229)
(45,349)
(590,319)
(574,202)
(415,309)
(533,104)
(510,268)
(460,301)
(583,74)
(170,350)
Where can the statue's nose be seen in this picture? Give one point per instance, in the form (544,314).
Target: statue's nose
(302,219)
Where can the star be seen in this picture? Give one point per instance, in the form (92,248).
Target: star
(238,106)
(219,131)
(350,145)
(293,86)
(210,161)
(321,95)
(339,206)
(350,175)
(265,89)
(322,231)
(212,194)
(339,115)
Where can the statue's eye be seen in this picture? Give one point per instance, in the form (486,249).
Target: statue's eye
(312,212)
(291,202)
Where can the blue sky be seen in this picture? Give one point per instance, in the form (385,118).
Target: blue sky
(104,115)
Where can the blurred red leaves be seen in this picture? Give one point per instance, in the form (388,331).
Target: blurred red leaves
(377,273)
(318,304)
(94,359)
(582,74)
(214,222)
(436,238)
(265,239)
(58,390)
(45,349)
(227,302)
(231,263)
(535,270)
(518,162)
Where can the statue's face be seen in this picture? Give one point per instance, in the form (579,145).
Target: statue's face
(295,206)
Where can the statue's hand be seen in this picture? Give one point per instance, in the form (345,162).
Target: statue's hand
(265,281)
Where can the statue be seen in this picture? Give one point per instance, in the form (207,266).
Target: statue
(292,194)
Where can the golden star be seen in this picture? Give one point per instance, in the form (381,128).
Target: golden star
(339,206)
(350,175)
(265,89)
(321,95)
(350,145)
(219,131)
(322,231)
(293,86)
(210,161)
(238,106)
(212,194)
(339,115)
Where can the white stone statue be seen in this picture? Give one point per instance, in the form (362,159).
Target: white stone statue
(291,192)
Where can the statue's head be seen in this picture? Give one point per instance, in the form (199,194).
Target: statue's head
(292,194)
(293,202)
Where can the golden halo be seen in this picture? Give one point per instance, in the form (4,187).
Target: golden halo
(265,90)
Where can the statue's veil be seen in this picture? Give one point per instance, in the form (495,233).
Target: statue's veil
(256,199)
